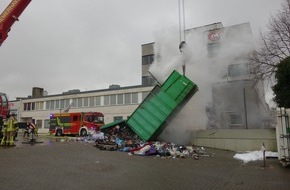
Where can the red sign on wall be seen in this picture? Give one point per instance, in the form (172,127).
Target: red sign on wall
(214,35)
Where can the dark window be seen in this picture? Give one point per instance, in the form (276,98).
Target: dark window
(66,102)
(107,100)
(118,118)
(236,119)
(237,70)
(128,98)
(88,118)
(4,100)
(56,104)
(80,102)
(75,118)
(120,99)
(51,105)
(134,98)
(86,102)
(148,81)
(98,100)
(113,99)
(64,119)
(33,106)
(29,106)
(61,104)
(74,103)
(92,101)
(147,60)
(144,95)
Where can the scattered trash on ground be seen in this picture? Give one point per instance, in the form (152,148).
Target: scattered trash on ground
(125,140)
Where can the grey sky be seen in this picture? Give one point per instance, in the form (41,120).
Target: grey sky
(90,44)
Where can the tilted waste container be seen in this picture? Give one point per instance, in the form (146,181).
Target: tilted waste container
(159,107)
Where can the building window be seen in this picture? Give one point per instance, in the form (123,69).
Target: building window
(38,105)
(148,81)
(236,119)
(98,100)
(92,101)
(86,102)
(39,123)
(128,98)
(80,102)
(66,102)
(51,105)
(144,95)
(32,105)
(120,99)
(147,60)
(56,104)
(213,48)
(118,118)
(46,123)
(238,70)
(61,104)
(74,102)
(106,100)
(46,105)
(113,99)
(135,98)
(41,105)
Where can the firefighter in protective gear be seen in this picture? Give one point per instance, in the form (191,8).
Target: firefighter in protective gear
(4,132)
(10,130)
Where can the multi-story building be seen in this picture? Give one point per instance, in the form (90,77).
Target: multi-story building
(237,101)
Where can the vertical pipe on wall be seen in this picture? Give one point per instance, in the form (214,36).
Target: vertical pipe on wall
(245,107)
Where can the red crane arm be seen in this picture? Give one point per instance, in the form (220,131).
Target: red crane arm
(10,15)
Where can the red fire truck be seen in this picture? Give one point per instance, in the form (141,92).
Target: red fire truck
(4,110)
(4,105)
(80,123)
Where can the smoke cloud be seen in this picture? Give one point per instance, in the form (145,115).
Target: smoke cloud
(204,66)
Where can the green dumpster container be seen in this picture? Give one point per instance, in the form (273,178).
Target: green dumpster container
(162,103)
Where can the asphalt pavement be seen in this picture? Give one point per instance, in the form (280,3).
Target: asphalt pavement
(63,164)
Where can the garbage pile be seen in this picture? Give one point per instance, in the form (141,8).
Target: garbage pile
(117,138)
(125,140)
(169,150)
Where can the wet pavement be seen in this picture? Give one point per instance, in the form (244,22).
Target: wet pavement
(64,163)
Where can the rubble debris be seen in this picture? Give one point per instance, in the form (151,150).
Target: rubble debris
(125,140)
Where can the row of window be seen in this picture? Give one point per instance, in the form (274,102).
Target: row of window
(106,100)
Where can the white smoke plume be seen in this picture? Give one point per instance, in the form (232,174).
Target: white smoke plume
(201,67)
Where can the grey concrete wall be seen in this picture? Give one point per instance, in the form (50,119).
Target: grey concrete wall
(236,139)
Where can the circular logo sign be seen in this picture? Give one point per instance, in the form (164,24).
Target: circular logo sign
(214,36)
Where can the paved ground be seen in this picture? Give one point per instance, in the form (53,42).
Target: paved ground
(78,165)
